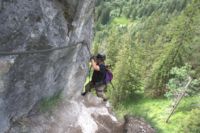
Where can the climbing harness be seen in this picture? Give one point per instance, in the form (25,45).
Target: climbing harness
(42,51)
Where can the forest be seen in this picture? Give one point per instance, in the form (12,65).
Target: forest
(153,48)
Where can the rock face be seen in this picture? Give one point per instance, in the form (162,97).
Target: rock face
(136,125)
(28,25)
(40,92)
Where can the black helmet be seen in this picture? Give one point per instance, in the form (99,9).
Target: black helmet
(101,57)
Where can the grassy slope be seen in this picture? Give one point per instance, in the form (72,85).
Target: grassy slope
(157,110)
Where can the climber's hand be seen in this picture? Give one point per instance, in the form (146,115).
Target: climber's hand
(92,58)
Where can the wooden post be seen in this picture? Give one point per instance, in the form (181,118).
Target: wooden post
(179,99)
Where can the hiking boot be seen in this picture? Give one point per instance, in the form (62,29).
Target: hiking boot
(83,93)
(105,99)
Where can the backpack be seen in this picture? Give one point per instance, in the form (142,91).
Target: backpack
(108,76)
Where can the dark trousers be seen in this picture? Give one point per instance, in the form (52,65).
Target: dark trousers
(100,89)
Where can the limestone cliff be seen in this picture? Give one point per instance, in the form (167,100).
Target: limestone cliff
(26,80)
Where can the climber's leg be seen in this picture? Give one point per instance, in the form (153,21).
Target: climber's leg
(88,88)
(100,91)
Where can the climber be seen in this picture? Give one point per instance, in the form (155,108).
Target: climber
(99,73)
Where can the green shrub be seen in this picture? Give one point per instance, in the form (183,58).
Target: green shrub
(179,80)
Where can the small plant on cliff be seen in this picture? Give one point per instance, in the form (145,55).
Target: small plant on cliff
(47,104)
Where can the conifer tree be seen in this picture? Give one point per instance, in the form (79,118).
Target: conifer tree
(180,32)
(126,78)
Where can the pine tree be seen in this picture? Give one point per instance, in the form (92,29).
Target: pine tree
(126,78)
(180,32)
